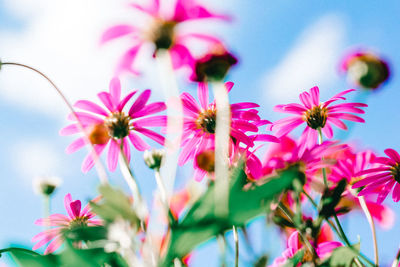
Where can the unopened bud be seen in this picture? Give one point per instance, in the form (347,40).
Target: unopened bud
(154,158)
(98,134)
(206,160)
(366,69)
(46,185)
(213,66)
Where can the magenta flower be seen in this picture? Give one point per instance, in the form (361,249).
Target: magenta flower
(113,127)
(323,249)
(317,115)
(348,167)
(199,126)
(163,31)
(382,179)
(77,217)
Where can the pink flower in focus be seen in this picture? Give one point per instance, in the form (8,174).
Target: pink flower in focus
(199,126)
(382,179)
(77,217)
(317,115)
(112,126)
(163,31)
(323,248)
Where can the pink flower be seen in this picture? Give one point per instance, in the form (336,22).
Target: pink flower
(323,248)
(348,166)
(113,127)
(383,178)
(287,152)
(199,126)
(317,115)
(77,217)
(163,31)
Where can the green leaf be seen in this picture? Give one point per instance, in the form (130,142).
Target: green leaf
(330,199)
(246,201)
(296,259)
(114,204)
(86,233)
(344,256)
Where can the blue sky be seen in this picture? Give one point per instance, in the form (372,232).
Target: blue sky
(284,47)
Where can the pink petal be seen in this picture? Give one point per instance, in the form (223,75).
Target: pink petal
(384,215)
(189,103)
(315,95)
(189,149)
(70,129)
(127,60)
(75,145)
(46,235)
(54,220)
(338,123)
(346,116)
(152,135)
(88,162)
(391,153)
(140,102)
(396,193)
(385,191)
(76,208)
(107,101)
(138,142)
(54,245)
(244,105)
(127,150)
(293,241)
(150,109)
(370,179)
(90,106)
(116,32)
(202,93)
(181,56)
(229,86)
(305,98)
(151,121)
(67,205)
(115,90)
(112,157)
(290,108)
(327,247)
(123,102)
(189,10)
(85,118)
(327,131)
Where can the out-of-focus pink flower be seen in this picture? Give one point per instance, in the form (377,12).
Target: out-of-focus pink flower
(348,166)
(77,217)
(382,179)
(317,115)
(323,248)
(163,31)
(113,127)
(200,121)
(366,69)
(287,152)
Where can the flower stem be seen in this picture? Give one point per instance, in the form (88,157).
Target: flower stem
(99,165)
(370,220)
(222,136)
(397,259)
(236,239)
(46,209)
(222,249)
(174,120)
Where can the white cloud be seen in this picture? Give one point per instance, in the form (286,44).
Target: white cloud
(311,61)
(33,158)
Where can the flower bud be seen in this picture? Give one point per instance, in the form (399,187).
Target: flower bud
(213,66)
(206,160)
(46,185)
(366,69)
(154,158)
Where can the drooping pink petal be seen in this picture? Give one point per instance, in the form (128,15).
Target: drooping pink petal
(127,60)
(346,116)
(385,191)
(180,56)
(88,162)
(112,157)
(75,145)
(396,193)
(107,100)
(189,103)
(85,118)
(228,86)
(70,129)
(117,31)
(45,237)
(244,105)
(152,135)
(55,244)
(53,220)
(392,154)
(327,247)
(327,131)
(370,179)
(138,142)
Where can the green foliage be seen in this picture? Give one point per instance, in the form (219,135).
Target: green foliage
(246,201)
(114,204)
(261,261)
(87,234)
(69,257)
(344,256)
(296,259)
(330,199)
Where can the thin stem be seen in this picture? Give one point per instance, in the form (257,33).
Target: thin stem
(46,209)
(174,121)
(370,220)
(161,188)
(222,131)
(222,249)
(397,259)
(236,239)
(323,169)
(99,165)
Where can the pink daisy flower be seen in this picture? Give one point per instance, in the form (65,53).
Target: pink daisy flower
(163,31)
(316,115)
(77,217)
(113,127)
(323,248)
(199,126)
(382,179)
(348,166)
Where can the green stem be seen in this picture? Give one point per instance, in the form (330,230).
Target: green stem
(46,209)
(370,220)
(222,249)
(236,239)
(19,249)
